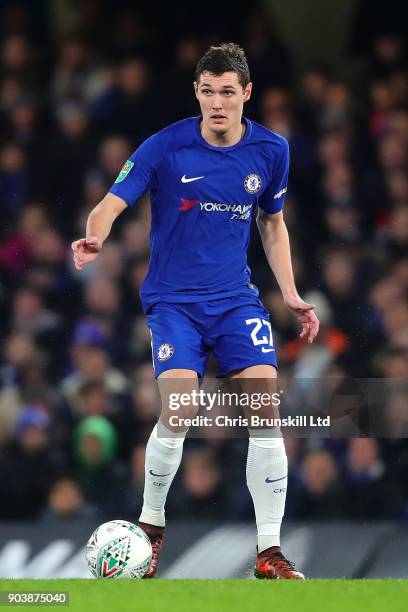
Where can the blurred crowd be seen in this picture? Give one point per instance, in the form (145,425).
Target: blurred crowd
(82,84)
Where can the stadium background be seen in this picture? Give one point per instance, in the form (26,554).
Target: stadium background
(82,83)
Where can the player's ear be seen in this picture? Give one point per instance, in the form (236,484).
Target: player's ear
(195,84)
(247,92)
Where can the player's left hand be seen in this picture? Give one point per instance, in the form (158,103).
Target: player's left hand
(305,314)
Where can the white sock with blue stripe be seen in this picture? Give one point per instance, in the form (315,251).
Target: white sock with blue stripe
(163,456)
(267,477)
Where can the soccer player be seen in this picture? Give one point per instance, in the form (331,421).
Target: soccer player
(207,176)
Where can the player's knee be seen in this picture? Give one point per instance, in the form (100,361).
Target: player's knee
(171,438)
(267,438)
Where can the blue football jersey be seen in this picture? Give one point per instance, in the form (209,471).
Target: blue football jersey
(203,198)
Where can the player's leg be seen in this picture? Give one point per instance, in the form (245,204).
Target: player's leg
(244,350)
(267,466)
(178,357)
(164,451)
(267,472)
(165,446)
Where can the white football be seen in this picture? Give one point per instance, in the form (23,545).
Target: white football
(118,549)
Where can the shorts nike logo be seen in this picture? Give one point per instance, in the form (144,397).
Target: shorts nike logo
(264,350)
(277,479)
(184,179)
(159,475)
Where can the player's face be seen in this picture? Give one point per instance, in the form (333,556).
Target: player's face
(221,100)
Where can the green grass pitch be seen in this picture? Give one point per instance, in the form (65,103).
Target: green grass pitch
(222,595)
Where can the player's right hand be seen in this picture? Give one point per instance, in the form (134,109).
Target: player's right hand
(85,250)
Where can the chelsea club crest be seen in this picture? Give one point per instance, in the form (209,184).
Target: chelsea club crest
(252,183)
(165,351)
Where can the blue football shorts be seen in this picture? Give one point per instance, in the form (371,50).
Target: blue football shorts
(236,329)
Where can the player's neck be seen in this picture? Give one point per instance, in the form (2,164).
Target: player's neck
(228,139)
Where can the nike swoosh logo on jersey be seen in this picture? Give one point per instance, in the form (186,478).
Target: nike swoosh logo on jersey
(159,475)
(184,179)
(276,480)
(264,350)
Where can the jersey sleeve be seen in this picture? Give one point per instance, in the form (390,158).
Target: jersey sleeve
(138,173)
(272,199)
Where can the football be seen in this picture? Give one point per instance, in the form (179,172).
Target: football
(118,549)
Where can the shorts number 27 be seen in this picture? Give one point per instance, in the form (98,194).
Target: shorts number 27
(261,340)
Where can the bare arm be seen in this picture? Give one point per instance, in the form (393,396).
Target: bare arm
(101,217)
(98,227)
(275,240)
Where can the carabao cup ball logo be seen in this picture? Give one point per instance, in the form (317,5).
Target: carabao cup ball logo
(252,183)
(165,351)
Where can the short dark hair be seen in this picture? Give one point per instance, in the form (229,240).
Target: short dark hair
(224,58)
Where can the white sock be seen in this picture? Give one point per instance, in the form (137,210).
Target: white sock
(267,474)
(163,456)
